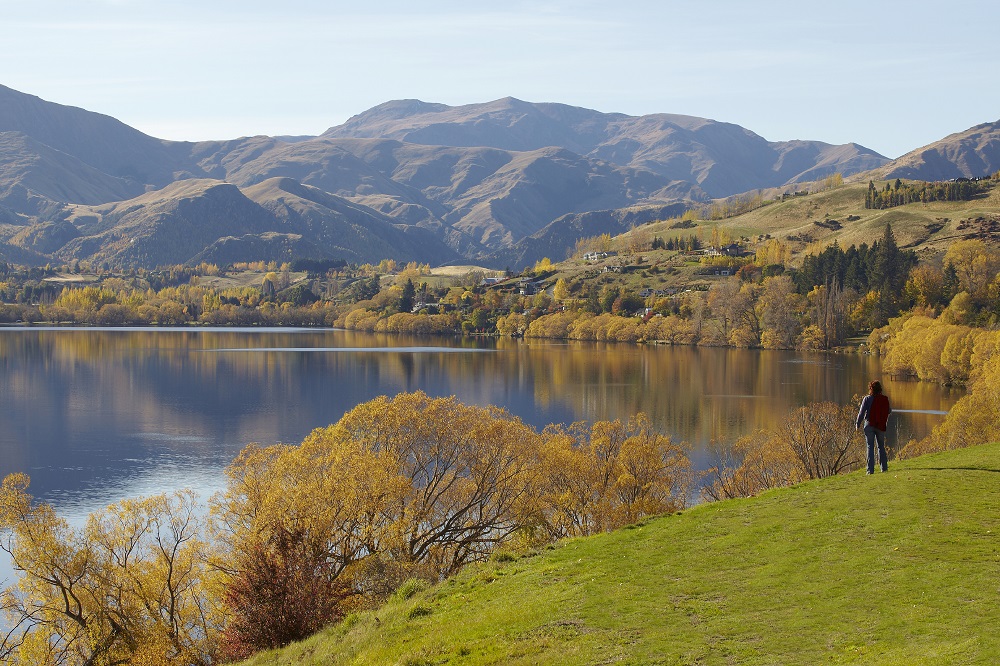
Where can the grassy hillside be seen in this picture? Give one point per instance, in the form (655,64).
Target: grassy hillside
(897,568)
(805,224)
(932,225)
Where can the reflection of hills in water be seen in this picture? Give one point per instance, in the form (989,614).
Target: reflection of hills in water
(112,406)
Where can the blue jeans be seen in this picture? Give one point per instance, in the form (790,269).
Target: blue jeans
(873,435)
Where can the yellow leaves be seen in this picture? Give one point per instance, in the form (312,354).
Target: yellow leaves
(976,263)
(399,487)
(609,476)
(974,419)
(936,349)
(542,265)
(14,499)
(512,325)
(773,252)
(125,587)
(424,481)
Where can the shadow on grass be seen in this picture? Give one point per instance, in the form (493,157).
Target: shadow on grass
(967,469)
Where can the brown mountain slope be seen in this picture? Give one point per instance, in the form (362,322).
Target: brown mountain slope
(342,229)
(33,176)
(202,219)
(722,158)
(476,198)
(168,226)
(969,154)
(100,141)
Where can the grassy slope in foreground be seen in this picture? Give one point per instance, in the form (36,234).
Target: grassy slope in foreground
(900,568)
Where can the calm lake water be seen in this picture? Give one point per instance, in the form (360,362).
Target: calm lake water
(94,415)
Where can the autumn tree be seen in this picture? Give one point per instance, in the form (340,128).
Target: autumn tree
(925,286)
(829,314)
(128,587)
(282,591)
(725,307)
(814,441)
(974,419)
(561,290)
(754,463)
(781,311)
(398,487)
(467,473)
(976,265)
(823,438)
(609,475)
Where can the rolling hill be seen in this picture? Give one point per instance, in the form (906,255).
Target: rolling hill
(897,568)
(497,183)
(209,220)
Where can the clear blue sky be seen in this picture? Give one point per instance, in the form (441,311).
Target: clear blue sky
(890,75)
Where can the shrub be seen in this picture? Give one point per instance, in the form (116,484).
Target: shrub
(283,591)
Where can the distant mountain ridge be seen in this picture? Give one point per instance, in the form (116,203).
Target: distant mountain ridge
(723,158)
(493,183)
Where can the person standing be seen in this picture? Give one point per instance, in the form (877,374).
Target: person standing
(874,413)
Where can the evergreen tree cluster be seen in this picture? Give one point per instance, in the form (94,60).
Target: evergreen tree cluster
(847,269)
(689,244)
(882,268)
(900,193)
(317,266)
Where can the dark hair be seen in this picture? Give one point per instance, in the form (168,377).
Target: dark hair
(875,388)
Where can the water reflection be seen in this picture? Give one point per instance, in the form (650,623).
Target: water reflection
(93,415)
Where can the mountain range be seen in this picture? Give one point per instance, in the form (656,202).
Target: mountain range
(496,183)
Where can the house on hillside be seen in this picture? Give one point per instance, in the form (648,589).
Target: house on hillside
(529,287)
(598,256)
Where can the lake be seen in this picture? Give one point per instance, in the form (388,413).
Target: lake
(94,415)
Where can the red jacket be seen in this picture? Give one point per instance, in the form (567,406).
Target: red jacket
(875,412)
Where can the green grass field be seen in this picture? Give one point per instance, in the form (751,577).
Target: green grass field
(897,568)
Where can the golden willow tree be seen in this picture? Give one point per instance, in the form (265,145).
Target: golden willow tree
(126,588)
(415,486)
(403,487)
(812,442)
(609,475)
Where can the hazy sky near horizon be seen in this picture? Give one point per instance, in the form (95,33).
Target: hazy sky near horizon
(890,75)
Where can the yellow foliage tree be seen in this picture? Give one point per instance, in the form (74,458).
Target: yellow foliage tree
(128,587)
(755,463)
(977,265)
(974,419)
(609,475)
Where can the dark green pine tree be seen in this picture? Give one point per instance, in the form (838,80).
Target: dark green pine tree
(888,277)
(406,299)
(950,285)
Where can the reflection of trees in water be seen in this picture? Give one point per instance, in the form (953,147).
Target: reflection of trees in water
(64,386)
(701,394)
